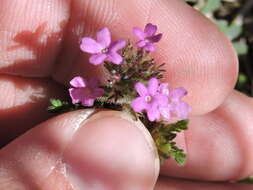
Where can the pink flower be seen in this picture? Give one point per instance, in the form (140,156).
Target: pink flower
(149,99)
(175,105)
(85,92)
(148,37)
(102,48)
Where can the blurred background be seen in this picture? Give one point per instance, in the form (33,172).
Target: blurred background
(235,19)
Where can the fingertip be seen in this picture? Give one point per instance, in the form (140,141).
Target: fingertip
(219,142)
(165,183)
(31,33)
(115,154)
(87,150)
(198,56)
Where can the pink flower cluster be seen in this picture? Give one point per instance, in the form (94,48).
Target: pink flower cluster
(85,92)
(102,49)
(158,100)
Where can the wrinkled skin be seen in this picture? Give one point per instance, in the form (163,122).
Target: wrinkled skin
(39,54)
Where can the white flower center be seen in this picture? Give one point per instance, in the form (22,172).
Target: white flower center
(105,50)
(166,91)
(148,98)
(146,40)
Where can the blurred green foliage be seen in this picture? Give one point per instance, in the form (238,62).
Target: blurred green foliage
(210,6)
(248,180)
(233,29)
(235,19)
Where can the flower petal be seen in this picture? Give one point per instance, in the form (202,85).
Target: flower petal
(87,102)
(139,33)
(156,38)
(149,47)
(114,58)
(141,43)
(76,95)
(153,86)
(104,37)
(161,100)
(139,104)
(90,46)
(78,82)
(165,112)
(150,29)
(93,82)
(141,89)
(97,58)
(98,92)
(117,45)
(178,93)
(164,89)
(182,110)
(153,113)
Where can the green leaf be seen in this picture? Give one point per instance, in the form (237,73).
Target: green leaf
(242,82)
(232,31)
(58,106)
(163,134)
(242,79)
(248,180)
(177,127)
(165,148)
(222,25)
(56,102)
(241,47)
(211,6)
(179,157)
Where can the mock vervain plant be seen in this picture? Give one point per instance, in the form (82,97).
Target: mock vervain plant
(134,86)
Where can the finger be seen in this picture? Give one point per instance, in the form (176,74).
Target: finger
(30,35)
(23,104)
(81,150)
(219,143)
(196,54)
(165,183)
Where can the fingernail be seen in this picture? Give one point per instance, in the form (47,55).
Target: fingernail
(148,138)
(111,151)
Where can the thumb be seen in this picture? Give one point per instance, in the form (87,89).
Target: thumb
(81,150)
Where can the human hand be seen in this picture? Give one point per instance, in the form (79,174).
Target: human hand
(39,52)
